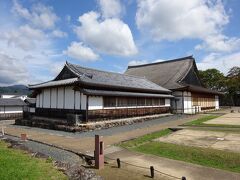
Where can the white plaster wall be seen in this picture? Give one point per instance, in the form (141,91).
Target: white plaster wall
(77,100)
(83,101)
(216,102)
(187,103)
(12,109)
(37,100)
(54,98)
(95,102)
(69,97)
(167,102)
(46,98)
(60,98)
(32,110)
(40,99)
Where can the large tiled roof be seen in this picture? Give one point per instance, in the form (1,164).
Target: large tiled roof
(93,77)
(11,102)
(166,73)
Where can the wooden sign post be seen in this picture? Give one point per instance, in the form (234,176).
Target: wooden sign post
(99,155)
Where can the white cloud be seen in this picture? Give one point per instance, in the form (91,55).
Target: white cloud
(137,62)
(111,8)
(219,43)
(40,16)
(110,36)
(12,71)
(79,51)
(180,19)
(59,33)
(27,50)
(221,62)
(24,37)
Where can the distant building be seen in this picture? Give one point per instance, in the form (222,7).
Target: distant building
(11,108)
(182,77)
(30,105)
(18,96)
(95,94)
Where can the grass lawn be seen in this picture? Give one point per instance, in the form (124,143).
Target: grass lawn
(17,164)
(203,156)
(201,120)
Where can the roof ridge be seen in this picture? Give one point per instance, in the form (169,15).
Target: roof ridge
(139,77)
(162,62)
(50,81)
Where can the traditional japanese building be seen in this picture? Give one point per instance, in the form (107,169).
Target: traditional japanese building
(182,77)
(11,108)
(94,94)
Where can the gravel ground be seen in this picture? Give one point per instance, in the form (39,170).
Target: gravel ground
(110,131)
(55,153)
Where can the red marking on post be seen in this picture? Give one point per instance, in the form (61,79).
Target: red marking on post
(23,137)
(99,154)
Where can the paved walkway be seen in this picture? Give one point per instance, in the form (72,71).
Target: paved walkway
(169,166)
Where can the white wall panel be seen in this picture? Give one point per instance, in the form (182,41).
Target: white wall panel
(12,109)
(69,98)
(83,101)
(77,100)
(60,98)
(95,102)
(167,102)
(40,99)
(46,98)
(54,98)
(216,102)
(37,100)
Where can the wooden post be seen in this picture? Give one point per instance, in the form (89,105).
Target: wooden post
(3,131)
(99,154)
(152,171)
(118,163)
(24,137)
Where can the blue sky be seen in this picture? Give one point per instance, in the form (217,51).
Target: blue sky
(37,37)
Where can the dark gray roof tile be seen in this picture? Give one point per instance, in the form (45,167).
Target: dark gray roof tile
(11,102)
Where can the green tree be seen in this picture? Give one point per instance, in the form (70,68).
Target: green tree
(233,85)
(213,79)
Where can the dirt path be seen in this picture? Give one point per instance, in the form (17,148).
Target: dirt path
(86,144)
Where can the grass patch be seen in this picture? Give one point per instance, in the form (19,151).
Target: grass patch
(201,120)
(146,138)
(17,164)
(203,156)
(207,157)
